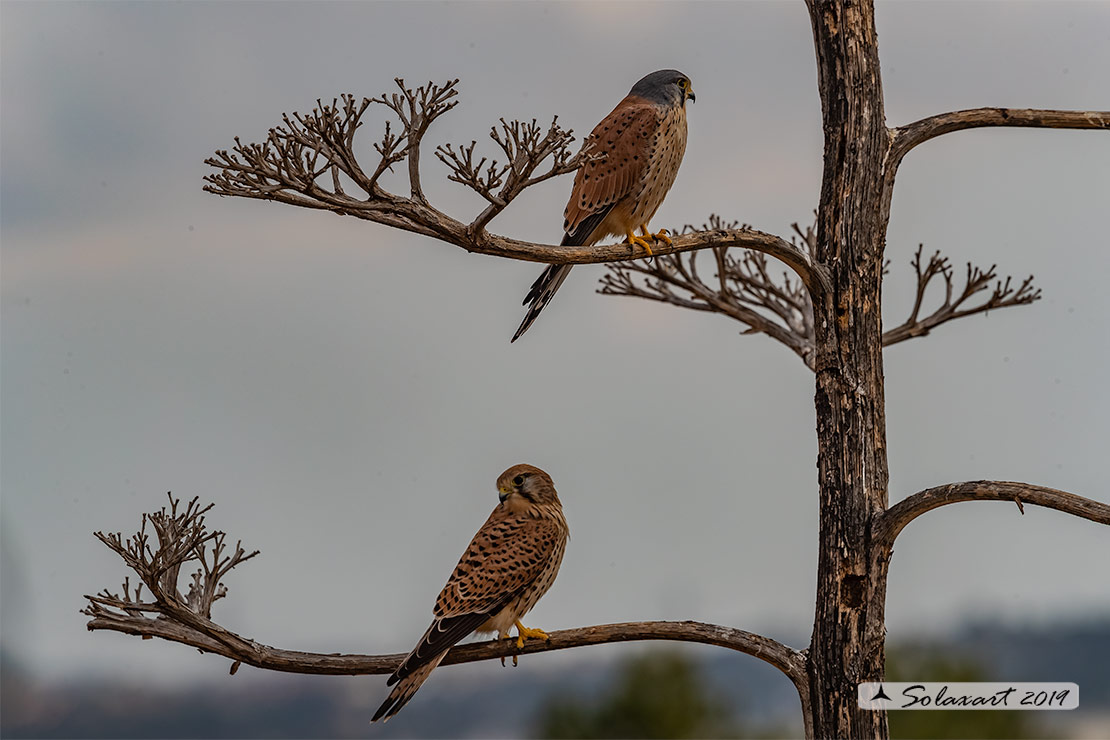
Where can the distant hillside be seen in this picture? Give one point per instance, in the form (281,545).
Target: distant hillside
(485,700)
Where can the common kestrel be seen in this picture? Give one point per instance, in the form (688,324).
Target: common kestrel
(633,157)
(509,565)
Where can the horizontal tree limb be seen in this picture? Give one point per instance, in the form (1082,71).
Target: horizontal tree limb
(788,660)
(908,136)
(890,523)
(408,215)
(813,276)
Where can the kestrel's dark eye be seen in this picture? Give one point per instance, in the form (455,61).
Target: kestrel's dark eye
(518,481)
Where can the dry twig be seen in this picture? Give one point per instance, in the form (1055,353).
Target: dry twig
(525,147)
(956,306)
(181,537)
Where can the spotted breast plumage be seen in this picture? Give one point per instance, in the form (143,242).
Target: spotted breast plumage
(632,158)
(511,562)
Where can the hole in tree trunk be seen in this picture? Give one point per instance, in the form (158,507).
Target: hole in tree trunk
(853,590)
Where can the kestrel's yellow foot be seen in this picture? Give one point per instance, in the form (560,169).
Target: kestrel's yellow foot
(639,241)
(524,633)
(662,236)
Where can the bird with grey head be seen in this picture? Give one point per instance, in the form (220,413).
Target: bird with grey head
(632,159)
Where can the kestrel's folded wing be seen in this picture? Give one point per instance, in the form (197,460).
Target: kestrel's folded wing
(502,561)
(618,151)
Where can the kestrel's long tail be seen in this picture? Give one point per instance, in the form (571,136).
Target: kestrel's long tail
(405,689)
(541,293)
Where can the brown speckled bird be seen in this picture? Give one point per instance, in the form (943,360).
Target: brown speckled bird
(634,156)
(511,562)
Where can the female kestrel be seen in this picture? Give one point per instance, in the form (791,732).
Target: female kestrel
(509,565)
(633,157)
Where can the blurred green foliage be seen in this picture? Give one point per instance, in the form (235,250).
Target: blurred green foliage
(658,694)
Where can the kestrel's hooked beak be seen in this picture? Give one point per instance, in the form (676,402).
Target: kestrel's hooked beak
(502,494)
(690,96)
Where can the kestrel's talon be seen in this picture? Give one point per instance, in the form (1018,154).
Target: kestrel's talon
(639,241)
(661,236)
(524,633)
(507,637)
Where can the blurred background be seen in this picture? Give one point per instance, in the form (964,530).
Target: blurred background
(346,394)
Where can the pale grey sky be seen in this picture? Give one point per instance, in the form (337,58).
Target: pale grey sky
(347,394)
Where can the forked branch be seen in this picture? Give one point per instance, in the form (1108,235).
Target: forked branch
(182,537)
(417,109)
(888,524)
(311,161)
(743,286)
(957,305)
(525,147)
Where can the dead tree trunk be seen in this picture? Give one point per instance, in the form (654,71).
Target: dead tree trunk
(849,628)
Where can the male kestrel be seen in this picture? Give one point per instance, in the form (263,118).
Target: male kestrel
(509,565)
(633,157)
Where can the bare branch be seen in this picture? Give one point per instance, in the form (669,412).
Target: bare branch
(788,660)
(464,170)
(1004,295)
(525,147)
(888,524)
(744,289)
(908,136)
(182,537)
(304,163)
(417,109)
(391,153)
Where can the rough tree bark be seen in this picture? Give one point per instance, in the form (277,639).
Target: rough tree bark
(849,628)
(828,313)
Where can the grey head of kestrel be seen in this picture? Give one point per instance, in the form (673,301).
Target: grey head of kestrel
(633,157)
